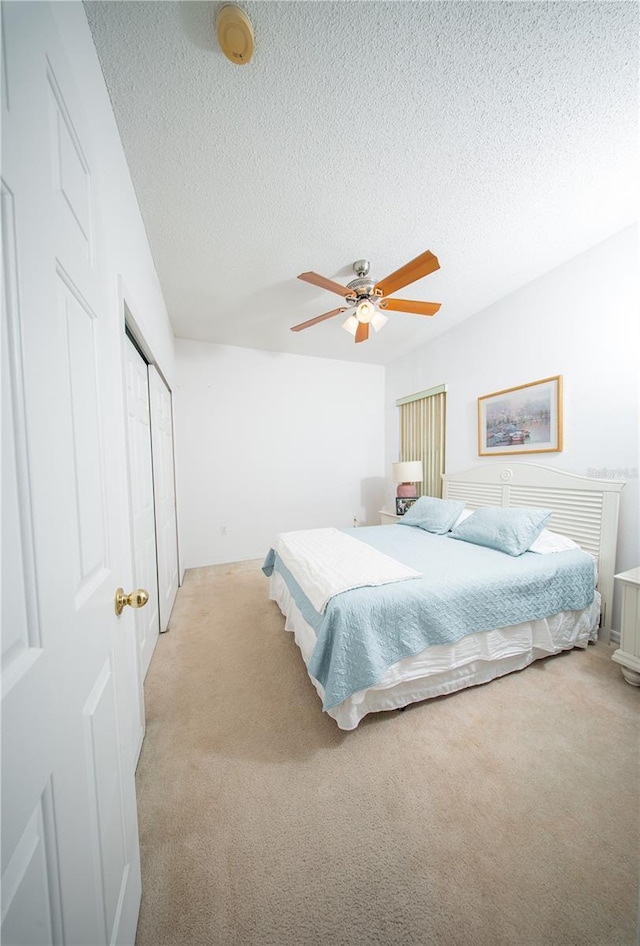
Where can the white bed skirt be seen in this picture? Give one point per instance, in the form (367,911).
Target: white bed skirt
(476,658)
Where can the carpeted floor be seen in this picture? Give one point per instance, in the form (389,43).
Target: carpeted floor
(503,815)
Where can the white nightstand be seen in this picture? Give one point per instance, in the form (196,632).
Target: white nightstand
(388,518)
(628,655)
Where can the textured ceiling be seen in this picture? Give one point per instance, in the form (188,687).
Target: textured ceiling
(501,136)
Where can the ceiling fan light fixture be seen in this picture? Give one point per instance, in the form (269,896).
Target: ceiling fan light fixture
(350,324)
(364,311)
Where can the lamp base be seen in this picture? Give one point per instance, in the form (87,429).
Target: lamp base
(407,491)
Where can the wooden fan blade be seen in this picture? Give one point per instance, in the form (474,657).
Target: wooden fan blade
(325,283)
(408,305)
(420,266)
(318,318)
(362,332)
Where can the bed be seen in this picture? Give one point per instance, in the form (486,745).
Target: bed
(449,614)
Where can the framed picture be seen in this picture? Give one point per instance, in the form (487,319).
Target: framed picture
(403,503)
(526,419)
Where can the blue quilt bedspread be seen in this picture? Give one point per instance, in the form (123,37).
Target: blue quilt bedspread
(466,588)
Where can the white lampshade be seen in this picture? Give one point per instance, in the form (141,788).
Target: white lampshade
(350,324)
(410,471)
(378,320)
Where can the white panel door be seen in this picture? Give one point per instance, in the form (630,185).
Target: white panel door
(70,857)
(164,493)
(142,502)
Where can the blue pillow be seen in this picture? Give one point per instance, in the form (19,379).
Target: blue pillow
(507,530)
(433,515)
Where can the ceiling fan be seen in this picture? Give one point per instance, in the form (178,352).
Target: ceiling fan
(367,298)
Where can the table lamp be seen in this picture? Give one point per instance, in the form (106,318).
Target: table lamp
(407,474)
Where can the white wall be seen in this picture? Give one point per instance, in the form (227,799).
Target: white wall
(268,442)
(581,321)
(117,221)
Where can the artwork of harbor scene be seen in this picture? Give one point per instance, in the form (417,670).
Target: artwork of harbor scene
(524,419)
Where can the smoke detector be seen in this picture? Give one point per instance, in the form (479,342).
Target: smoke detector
(235,34)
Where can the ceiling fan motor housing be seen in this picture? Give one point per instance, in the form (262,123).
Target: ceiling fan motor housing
(362,286)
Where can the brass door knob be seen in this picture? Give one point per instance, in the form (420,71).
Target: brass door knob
(137,599)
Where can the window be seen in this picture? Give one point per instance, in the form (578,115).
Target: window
(422,435)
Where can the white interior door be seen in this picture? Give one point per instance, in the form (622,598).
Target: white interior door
(70,696)
(142,501)
(164,494)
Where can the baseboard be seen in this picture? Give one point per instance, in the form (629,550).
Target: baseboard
(614,637)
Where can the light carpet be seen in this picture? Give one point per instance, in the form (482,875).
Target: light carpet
(503,815)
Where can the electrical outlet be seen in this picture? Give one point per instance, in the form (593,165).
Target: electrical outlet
(355,522)
(223,530)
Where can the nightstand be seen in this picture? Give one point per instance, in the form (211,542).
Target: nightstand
(388,518)
(628,654)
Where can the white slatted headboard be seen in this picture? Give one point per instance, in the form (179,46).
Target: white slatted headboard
(584,508)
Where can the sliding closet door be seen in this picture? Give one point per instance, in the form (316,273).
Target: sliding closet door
(164,494)
(142,501)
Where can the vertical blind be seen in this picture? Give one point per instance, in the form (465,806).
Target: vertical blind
(422,435)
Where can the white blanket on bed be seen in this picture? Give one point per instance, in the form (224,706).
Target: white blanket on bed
(326,562)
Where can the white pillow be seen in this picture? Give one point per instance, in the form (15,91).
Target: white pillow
(463,515)
(548,542)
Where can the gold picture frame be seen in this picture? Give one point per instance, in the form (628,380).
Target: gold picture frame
(524,419)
